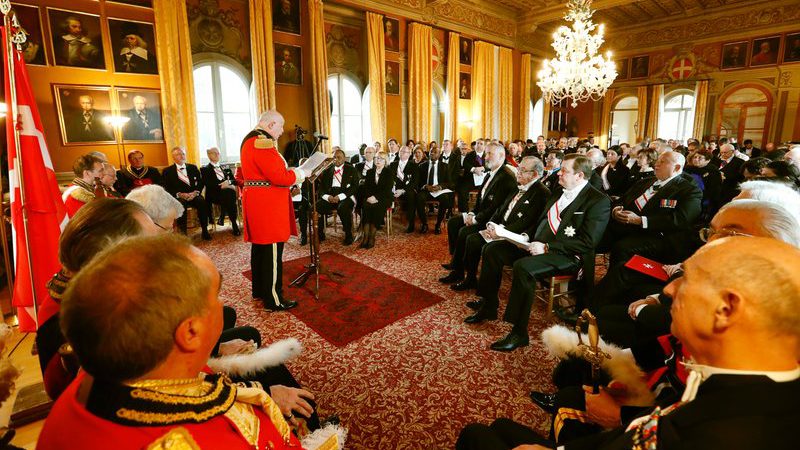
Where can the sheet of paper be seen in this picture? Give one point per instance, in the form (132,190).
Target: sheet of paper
(438,193)
(478,178)
(514,238)
(313,162)
(485,235)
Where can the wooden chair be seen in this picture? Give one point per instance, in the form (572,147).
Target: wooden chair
(547,291)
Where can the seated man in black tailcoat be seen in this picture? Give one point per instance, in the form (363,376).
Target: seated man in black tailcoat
(221,189)
(433,176)
(184,182)
(405,183)
(337,190)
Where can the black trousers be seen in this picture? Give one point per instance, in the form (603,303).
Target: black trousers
(445,202)
(523,285)
(472,253)
(410,200)
(495,256)
(457,234)
(345,211)
(462,190)
(617,327)
(302,210)
(198,203)
(226,199)
(502,434)
(266,265)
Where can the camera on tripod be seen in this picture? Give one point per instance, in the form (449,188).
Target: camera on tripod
(300,132)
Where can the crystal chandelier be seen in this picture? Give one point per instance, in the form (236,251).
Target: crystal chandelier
(578,72)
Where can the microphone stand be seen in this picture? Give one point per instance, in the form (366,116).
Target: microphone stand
(315,267)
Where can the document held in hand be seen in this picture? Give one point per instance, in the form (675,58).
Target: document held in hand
(648,267)
(502,233)
(315,164)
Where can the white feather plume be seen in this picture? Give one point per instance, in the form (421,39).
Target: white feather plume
(561,342)
(251,363)
(318,438)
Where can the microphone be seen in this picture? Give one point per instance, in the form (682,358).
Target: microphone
(319,136)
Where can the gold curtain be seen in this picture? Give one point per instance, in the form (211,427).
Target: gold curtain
(506,92)
(700,108)
(545,117)
(641,121)
(483,89)
(420,81)
(655,111)
(377,77)
(263,54)
(174,51)
(605,118)
(453,68)
(525,96)
(319,72)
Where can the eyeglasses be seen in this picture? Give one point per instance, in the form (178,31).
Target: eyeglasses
(168,230)
(707,233)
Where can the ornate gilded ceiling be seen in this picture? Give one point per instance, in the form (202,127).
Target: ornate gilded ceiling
(528,24)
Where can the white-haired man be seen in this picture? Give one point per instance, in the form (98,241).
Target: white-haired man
(267,204)
(651,218)
(793,156)
(158,204)
(730,166)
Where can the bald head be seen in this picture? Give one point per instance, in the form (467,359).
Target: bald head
(721,315)
(669,164)
(596,156)
(793,156)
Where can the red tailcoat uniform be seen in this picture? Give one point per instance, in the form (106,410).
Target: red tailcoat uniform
(71,425)
(268,210)
(77,195)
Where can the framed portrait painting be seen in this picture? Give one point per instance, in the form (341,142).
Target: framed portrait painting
(133,46)
(640,67)
(622,68)
(286,16)
(465,51)
(76,39)
(288,64)
(391,34)
(33,48)
(765,51)
(791,51)
(82,114)
(392,78)
(141,3)
(734,55)
(143,109)
(464,86)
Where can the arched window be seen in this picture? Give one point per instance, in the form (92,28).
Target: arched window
(745,114)
(438,110)
(346,107)
(224,105)
(536,119)
(623,121)
(677,118)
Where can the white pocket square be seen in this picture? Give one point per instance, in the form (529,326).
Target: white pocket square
(578,212)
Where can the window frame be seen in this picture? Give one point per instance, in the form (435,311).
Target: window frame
(340,76)
(686,114)
(216,61)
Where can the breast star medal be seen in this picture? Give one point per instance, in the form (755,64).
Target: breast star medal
(569,231)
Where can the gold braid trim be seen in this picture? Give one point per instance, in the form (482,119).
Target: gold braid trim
(174,399)
(568,414)
(177,438)
(246,421)
(277,419)
(81,194)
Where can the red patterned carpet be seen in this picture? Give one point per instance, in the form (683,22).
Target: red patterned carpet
(416,382)
(361,302)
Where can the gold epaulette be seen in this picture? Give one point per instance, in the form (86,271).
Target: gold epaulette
(177,439)
(263,142)
(82,195)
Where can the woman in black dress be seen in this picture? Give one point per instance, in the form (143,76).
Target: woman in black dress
(378,193)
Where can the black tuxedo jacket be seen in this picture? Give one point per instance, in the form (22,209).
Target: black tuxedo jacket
(213,191)
(673,208)
(596,181)
(174,185)
(732,175)
(360,168)
(502,184)
(729,412)
(348,186)
(551,181)
(527,209)
(443,175)
(382,190)
(617,178)
(583,223)
(409,181)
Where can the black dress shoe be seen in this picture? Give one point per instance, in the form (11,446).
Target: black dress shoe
(410,229)
(467,284)
(481,315)
(424,228)
(221,221)
(447,266)
(347,240)
(283,306)
(509,343)
(452,277)
(237,232)
(206,236)
(321,237)
(475,304)
(545,401)
(303,239)
(437,230)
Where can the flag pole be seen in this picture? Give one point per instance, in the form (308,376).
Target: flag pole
(18,37)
